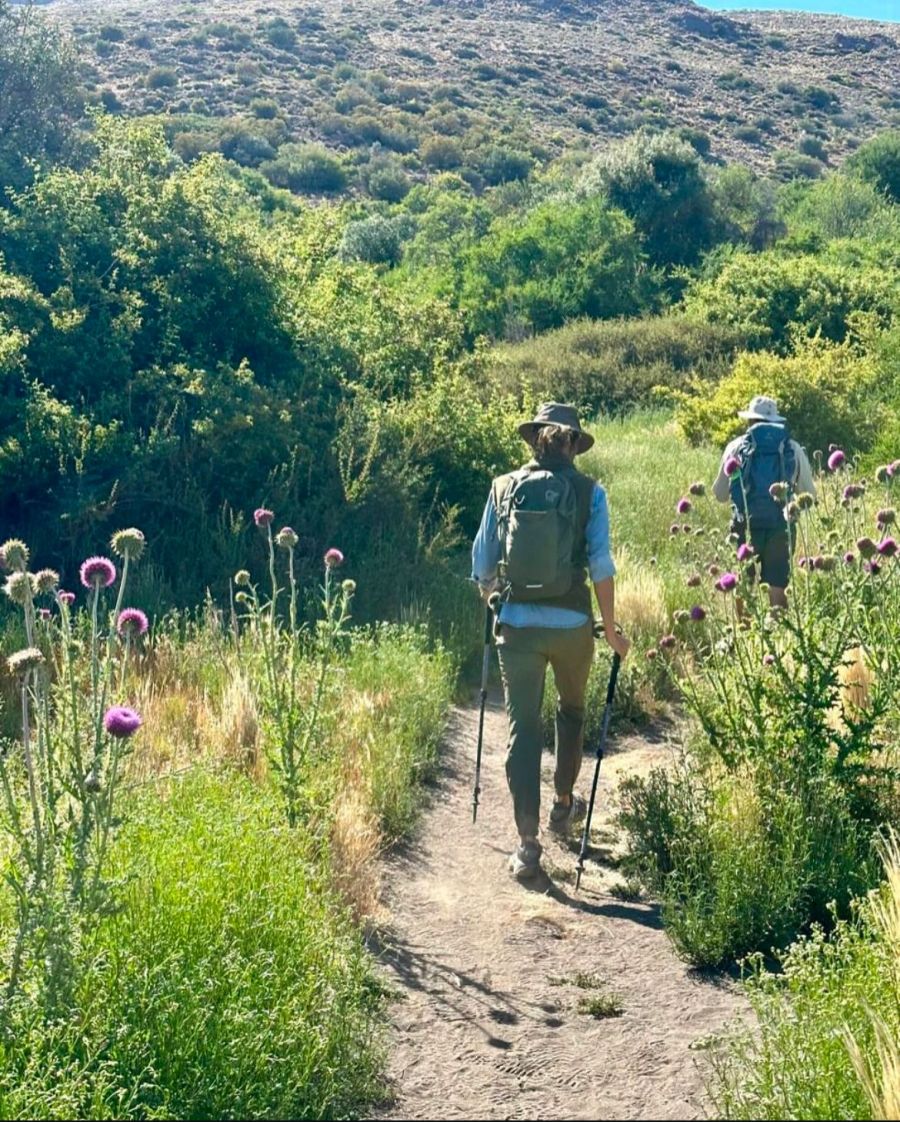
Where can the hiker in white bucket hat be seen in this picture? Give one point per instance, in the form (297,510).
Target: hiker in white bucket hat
(760,472)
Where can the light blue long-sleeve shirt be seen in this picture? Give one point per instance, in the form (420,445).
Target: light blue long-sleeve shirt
(486,559)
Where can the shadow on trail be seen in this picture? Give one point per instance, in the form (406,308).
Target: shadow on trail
(462,995)
(647,915)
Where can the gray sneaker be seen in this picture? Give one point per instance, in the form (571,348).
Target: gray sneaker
(525,863)
(563,817)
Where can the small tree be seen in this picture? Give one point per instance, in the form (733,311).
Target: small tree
(658,182)
(39,100)
(878,163)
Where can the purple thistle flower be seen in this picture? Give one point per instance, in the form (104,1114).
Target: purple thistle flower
(44,613)
(732,466)
(872,568)
(883,473)
(263,517)
(887,547)
(836,460)
(769,660)
(849,558)
(886,517)
(853,491)
(132,621)
(333,558)
(698,614)
(727,582)
(97,572)
(745,552)
(866,547)
(668,642)
(684,505)
(67,598)
(121,722)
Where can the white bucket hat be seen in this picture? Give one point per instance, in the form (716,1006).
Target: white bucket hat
(762,409)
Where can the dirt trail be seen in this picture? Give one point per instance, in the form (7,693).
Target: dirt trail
(486,1024)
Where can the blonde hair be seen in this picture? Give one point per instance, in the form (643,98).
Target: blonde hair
(553,441)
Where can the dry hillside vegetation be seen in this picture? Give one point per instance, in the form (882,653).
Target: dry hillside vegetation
(440,83)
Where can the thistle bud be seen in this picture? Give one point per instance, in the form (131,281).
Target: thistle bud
(46,581)
(24,661)
(128,543)
(15,555)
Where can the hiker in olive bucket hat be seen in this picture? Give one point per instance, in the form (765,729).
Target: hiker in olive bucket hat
(760,472)
(544,532)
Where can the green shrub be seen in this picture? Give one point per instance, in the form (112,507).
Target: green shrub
(264,107)
(441,153)
(611,367)
(161,78)
(387,182)
(825,390)
(377,240)
(111,33)
(306,168)
(796,165)
(878,162)
(245,145)
(830,995)
(770,296)
(504,165)
(560,261)
(813,146)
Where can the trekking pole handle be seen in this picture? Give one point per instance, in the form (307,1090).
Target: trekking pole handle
(613,677)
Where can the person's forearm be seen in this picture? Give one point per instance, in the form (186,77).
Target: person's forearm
(606,598)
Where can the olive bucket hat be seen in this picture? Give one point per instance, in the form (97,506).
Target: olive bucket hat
(552,413)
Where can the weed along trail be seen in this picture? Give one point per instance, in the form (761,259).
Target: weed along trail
(517,1002)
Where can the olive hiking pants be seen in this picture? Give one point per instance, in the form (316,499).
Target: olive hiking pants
(525,653)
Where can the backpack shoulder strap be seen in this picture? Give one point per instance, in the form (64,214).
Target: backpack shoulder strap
(503,485)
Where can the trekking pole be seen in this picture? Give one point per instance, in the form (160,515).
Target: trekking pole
(604,729)
(489,610)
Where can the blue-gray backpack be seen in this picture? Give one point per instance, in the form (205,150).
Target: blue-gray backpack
(766,455)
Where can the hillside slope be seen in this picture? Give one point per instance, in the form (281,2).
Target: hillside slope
(547,73)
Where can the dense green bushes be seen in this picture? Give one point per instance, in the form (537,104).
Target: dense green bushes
(556,263)
(611,367)
(771,296)
(829,393)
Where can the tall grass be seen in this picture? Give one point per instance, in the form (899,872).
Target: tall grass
(229,983)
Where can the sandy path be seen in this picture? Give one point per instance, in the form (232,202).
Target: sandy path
(486,1023)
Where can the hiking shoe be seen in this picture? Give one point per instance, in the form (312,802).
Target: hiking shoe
(562,816)
(525,863)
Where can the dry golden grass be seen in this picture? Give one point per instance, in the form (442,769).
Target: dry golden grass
(640,599)
(856,680)
(233,728)
(356,838)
